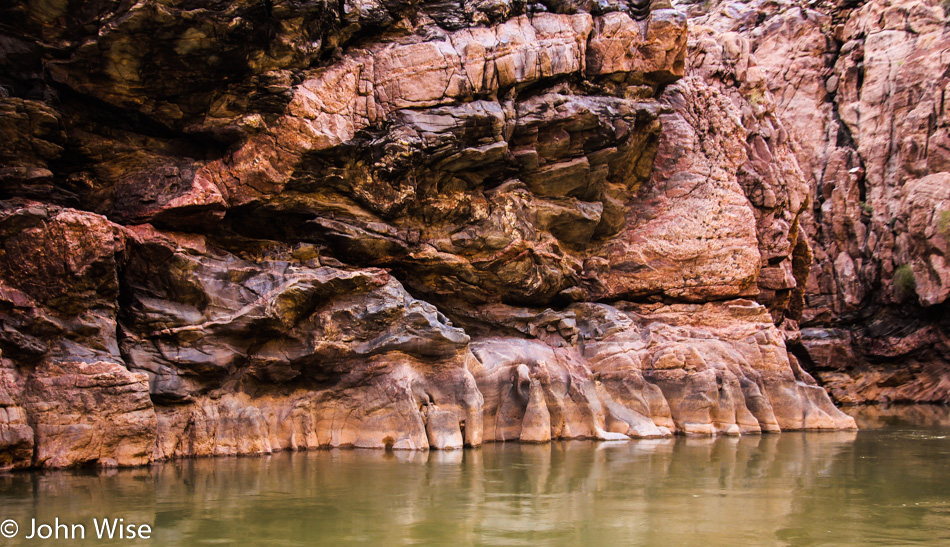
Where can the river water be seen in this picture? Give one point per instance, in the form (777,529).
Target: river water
(888,484)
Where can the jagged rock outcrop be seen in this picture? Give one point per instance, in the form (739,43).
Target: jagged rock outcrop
(235,229)
(68,396)
(860,87)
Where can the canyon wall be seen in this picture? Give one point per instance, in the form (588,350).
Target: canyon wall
(242,227)
(861,87)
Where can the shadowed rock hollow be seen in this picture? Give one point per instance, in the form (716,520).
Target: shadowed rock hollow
(241,228)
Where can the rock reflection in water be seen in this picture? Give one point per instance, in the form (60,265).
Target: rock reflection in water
(792,488)
(879,416)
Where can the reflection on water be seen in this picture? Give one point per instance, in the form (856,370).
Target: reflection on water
(889,485)
(876,417)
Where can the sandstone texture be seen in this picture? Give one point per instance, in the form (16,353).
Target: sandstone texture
(860,87)
(244,227)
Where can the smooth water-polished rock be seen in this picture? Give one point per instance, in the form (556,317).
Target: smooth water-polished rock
(219,354)
(650,370)
(305,355)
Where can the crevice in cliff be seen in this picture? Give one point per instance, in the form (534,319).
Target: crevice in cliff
(843,136)
(806,361)
(123,305)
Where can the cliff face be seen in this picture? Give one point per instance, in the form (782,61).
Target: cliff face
(240,227)
(861,88)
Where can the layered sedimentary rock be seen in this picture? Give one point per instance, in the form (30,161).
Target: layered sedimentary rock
(256,227)
(860,87)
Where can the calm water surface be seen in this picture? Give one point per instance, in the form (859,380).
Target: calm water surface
(888,484)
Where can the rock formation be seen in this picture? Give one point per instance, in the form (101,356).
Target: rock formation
(860,87)
(256,226)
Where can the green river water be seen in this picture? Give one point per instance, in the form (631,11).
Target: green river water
(888,484)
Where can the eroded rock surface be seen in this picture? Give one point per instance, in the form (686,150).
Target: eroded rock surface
(860,88)
(242,228)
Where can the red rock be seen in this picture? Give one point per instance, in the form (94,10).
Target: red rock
(394,226)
